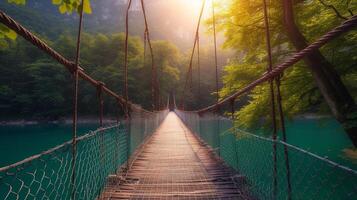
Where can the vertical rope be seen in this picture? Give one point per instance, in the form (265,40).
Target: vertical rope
(218,128)
(126,95)
(189,71)
(101,105)
(157,88)
(198,68)
(145,37)
(215,48)
(232,108)
(232,102)
(216,66)
(272,96)
(75,104)
(154,84)
(101,102)
(283,129)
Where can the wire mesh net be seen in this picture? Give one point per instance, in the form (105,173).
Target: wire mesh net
(311,176)
(99,153)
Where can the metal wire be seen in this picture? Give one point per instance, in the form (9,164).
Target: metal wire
(312,176)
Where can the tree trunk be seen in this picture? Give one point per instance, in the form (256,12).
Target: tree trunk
(326,77)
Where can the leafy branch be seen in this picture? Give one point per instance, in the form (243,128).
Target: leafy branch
(338,14)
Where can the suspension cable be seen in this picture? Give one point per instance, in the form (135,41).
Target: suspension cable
(126,94)
(232,109)
(272,97)
(189,71)
(75,102)
(101,102)
(294,58)
(70,65)
(215,49)
(144,61)
(101,112)
(154,77)
(283,130)
(198,68)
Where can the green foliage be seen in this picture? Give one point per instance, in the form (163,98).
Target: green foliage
(32,85)
(64,6)
(243,26)
(18,2)
(168,61)
(68,6)
(6,33)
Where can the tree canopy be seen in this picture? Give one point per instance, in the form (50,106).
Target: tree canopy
(243,26)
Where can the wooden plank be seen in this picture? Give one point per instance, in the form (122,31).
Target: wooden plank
(174,164)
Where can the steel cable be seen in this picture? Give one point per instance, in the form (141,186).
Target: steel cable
(276,71)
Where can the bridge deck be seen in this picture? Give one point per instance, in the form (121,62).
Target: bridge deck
(174,164)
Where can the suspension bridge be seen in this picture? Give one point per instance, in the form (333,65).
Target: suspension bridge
(177,154)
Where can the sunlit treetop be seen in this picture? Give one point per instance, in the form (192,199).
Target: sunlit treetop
(64,6)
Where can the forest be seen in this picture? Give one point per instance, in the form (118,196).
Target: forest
(33,86)
(323,83)
(37,88)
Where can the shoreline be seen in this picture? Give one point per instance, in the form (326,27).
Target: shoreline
(94,120)
(23,122)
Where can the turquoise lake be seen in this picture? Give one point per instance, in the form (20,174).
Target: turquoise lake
(324,137)
(18,142)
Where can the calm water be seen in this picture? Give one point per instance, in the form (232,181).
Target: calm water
(310,178)
(324,137)
(18,142)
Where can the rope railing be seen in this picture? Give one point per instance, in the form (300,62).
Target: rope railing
(289,62)
(32,38)
(48,175)
(78,169)
(280,173)
(154,77)
(311,176)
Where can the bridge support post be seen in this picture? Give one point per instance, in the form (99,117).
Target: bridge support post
(128,121)
(283,129)
(75,104)
(218,128)
(101,108)
(272,99)
(234,131)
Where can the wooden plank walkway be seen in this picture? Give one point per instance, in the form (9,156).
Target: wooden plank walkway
(174,164)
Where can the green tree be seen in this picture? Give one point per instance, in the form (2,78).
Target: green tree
(168,62)
(243,26)
(64,6)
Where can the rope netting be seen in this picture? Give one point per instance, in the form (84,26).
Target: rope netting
(311,176)
(272,168)
(79,169)
(99,153)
